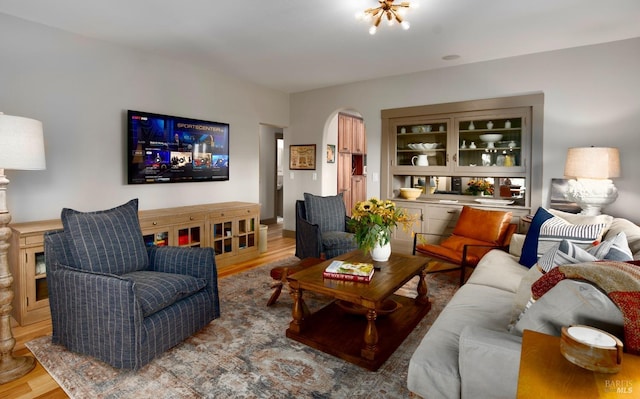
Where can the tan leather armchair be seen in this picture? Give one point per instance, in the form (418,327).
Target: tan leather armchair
(477,232)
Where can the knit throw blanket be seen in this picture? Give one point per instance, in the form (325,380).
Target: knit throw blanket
(619,280)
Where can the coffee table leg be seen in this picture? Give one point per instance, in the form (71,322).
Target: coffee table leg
(370,336)
(422,297)
(298,311)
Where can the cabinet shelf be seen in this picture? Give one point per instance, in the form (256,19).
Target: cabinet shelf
(483,149)
(494,130)
(422,134)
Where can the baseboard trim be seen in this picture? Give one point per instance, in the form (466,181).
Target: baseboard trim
(289,233)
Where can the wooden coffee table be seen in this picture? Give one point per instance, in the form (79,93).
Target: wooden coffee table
(366,339)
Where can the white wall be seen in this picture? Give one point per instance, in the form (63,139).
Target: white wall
(81,88)
(329,171)
(592,97)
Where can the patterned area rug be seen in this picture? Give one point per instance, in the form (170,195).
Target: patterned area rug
(245,354)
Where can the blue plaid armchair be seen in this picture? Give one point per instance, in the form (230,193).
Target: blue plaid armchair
(321,227)
(116,300)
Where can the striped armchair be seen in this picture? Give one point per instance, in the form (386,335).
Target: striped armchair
(114,299)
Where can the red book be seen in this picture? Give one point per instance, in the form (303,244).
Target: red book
(339,270)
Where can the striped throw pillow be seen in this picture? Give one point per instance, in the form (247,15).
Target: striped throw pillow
(547,230)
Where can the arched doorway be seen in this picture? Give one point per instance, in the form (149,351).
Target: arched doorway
(346,160)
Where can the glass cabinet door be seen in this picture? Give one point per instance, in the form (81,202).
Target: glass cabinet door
(422,144)
(189,236)
(488,143)
(156,238)
(37,291)
(222,237)
(247,233)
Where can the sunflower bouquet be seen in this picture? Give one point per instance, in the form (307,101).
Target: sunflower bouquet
(372,221)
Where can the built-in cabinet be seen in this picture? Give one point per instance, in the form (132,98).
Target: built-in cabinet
(485,153)
(352,144)
(230,228)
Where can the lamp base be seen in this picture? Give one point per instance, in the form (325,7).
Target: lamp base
(12,368)
(591,194)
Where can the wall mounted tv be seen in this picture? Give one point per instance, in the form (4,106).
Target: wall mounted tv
(171,149)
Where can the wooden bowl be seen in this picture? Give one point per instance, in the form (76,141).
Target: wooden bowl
(591,348)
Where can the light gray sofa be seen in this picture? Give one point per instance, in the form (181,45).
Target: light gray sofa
(473,348)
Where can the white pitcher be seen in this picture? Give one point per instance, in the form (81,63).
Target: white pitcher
(422,160)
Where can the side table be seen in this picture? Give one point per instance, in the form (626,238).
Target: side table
(545,373)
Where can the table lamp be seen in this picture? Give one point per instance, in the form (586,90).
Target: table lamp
(21,148)
(590,170)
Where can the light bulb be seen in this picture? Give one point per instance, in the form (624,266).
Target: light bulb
(389,22)
(405,25)
(372,30)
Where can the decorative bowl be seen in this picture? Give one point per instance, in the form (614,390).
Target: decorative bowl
(410,193)
(429,146)
(491,137)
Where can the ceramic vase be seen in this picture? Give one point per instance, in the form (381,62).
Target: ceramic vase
(381,253)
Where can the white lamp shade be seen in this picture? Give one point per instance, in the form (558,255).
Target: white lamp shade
(592,163)
(21,143)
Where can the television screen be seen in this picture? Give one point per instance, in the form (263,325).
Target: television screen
(171,149)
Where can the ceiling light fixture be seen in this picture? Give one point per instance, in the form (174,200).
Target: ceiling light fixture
(387,9)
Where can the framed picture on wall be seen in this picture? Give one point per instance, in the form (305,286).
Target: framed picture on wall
(331,153)
(302,157)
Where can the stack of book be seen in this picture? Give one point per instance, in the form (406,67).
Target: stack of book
(351,271)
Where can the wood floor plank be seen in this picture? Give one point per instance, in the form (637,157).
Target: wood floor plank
(38,384)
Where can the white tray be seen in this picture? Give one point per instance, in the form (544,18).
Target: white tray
(489,201)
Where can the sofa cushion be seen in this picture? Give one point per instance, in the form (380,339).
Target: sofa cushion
(571,302)
(546,230)
(329,213)
(433,368)
(500,270)
(108,241)
(516,244)
(485,354)
(156,290)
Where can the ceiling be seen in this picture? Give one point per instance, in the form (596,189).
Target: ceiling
(298,45)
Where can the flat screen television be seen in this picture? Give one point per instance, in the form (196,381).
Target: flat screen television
(172,149)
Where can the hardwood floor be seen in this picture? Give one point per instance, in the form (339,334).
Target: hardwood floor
(39,384)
